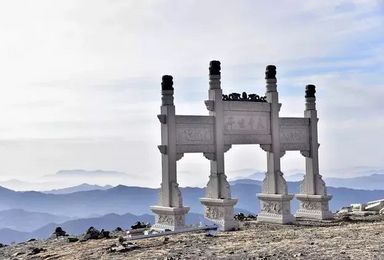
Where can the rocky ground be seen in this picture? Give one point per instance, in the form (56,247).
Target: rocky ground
(348,238)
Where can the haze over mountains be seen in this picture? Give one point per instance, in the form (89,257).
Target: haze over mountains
(368,178)
(34,214)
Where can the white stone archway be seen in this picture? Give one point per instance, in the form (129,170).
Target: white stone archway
(239,119)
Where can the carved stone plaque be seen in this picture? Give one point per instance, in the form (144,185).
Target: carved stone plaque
(245,123)
(194,130)
(294,133)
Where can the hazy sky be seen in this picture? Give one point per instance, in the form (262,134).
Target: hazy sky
(80,80)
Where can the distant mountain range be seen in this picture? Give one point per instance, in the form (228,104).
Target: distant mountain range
(367,178)
(79,226)
(68,178)
(32,214)
(370,179)
(74,227)
(371,182)
(78,188)
(22,220)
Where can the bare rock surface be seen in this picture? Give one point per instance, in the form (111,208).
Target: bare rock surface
(343,238)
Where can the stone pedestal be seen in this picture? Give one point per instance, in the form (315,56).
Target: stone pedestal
(275,208)
(169,218)
(221,212)
(314,206)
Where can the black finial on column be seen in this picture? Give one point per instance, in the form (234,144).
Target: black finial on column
(214,68)
(270,72)
(167,90)
(310,91)
(167,82)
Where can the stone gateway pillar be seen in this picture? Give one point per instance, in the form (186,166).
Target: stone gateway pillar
(275,201)
(217,201)
(313,193)
(170,214)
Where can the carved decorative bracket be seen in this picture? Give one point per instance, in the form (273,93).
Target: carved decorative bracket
(227,147)
(305,153)
(179,156)
(266,147)
(210,156)
(162,118)
(210,104)
(162,149)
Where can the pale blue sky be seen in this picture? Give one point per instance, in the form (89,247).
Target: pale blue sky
(80,80)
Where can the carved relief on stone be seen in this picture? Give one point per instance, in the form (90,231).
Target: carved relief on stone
(246,123)
(194,134)
(272,207)
(165,219)
(294,135)
(214,212)
(311,205)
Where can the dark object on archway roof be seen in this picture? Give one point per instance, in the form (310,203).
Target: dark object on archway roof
(244,97)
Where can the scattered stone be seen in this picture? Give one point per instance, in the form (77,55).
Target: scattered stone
(240,217)
(139,224)
(122,248)
(2,245)
(118,229)
(104,234)
(59,232)
(17,254)
(93,233)
(166,239)
(72,239)
(31,240)
(122,239)
(363,209)
(36,250)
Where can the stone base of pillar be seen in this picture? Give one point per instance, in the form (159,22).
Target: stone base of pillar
(275,208)
(314,206)
(220,212)
(169,218)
